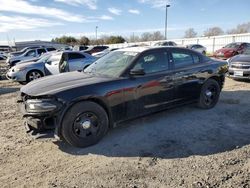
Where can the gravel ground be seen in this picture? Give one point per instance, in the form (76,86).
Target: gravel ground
(182,147)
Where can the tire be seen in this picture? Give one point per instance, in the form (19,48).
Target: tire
(210,93)
(85,124)
(33,75)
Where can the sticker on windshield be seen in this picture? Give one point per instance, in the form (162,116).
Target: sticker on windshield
(131,53)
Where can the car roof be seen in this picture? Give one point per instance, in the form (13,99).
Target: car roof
(144,48)
(135,49)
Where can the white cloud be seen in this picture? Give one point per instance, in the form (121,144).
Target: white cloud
(24,7)
(115,11)
(156,3)
(8,23)
(91,4)
(134,11)
(105,17)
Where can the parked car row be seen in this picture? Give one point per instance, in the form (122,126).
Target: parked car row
(80,107)
(49,64)
(27,54)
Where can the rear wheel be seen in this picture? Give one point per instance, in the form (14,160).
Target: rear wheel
(33,75)
(84,124)
(210,94)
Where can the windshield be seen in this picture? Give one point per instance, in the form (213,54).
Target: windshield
(232,45)
(44,58)
(112,64)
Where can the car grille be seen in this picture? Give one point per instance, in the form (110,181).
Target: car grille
(240,66)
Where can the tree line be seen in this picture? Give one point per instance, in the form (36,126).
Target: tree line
(215,31)
(148,36)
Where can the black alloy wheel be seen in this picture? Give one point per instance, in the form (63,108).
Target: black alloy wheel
(209,95)
(84,124)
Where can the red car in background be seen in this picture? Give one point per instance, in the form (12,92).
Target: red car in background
(231,50)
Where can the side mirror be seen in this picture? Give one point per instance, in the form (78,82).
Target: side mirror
(48,62)
(137,72)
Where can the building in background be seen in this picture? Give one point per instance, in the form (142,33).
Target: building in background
(20,45)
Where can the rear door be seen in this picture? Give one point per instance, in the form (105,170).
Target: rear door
(188,70)
(76,61)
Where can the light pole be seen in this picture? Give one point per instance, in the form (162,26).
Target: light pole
(96,32)
(166,21)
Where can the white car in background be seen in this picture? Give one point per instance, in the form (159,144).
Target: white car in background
(198,48)
(104,52)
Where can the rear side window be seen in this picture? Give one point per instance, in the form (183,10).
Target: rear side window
(81,48)
(41,51)
(75,56)
(51,49)
(31,53)
(184,59)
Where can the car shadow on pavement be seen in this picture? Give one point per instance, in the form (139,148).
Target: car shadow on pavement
(179,132)
(7,90)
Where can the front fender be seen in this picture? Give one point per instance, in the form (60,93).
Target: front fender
(99,100)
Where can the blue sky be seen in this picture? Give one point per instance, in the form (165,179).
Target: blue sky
(46,19)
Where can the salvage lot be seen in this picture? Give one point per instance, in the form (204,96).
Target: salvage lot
(182,147)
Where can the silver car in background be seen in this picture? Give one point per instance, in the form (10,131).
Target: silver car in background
(25,72)
(50,63)
(198,48)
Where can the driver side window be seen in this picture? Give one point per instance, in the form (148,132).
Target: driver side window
(153,62)
(31,53)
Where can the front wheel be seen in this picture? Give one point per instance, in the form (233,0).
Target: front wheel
(33,75)
(84,124)
(210,93)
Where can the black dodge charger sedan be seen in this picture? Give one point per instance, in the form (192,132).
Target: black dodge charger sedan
(82,106)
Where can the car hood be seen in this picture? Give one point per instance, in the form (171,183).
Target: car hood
(28,64)
(224,50)
(28,61)
(54,84)
(16,53)
(241,59)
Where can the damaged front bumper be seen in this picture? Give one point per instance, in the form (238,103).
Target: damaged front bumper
(41,114)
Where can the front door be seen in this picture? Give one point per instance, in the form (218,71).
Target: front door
(154,90)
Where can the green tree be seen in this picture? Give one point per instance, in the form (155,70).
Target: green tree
(115,40)
(84,41)
(65,40)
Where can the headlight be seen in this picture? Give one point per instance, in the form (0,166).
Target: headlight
(20,69)
(42,105)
